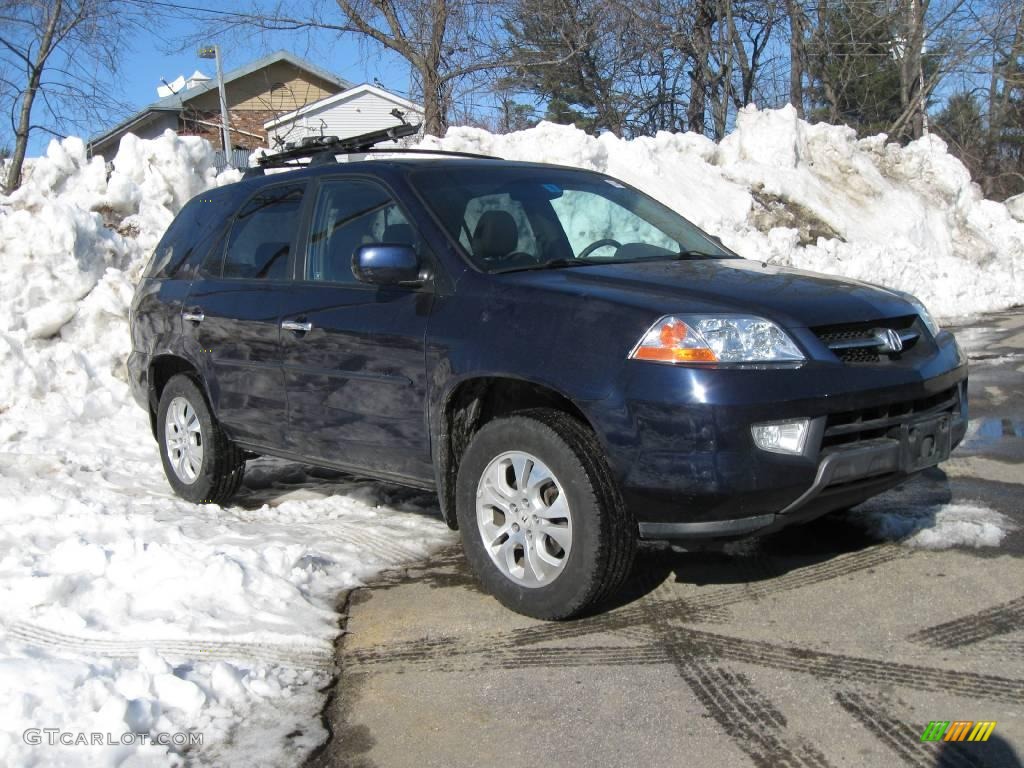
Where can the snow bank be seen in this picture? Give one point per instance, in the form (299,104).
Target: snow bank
(811,196)
(122,608)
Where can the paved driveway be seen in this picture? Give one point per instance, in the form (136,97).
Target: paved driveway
(833,644)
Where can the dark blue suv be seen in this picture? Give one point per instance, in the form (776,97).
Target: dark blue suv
(571,365)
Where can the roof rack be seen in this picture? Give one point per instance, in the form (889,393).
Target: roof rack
(322,149)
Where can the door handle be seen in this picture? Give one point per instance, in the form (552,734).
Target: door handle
(194,317)
(296,326)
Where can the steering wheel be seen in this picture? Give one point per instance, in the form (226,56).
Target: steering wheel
(598,244)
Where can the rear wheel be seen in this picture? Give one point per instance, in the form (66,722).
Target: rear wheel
(201,464)
(542,525)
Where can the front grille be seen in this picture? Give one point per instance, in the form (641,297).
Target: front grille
(858,344)
(885,420)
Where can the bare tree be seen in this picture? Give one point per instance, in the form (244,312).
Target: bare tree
(55,57)
(1002,170)
(797,18)
(445,42)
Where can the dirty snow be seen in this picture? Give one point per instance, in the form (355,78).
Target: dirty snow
(940,526)
(124,609)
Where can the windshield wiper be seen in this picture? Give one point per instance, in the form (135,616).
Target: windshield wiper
(559,263)
(694,254)
(553,264)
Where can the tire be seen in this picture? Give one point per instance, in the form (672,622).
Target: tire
(214,467)
(570,496)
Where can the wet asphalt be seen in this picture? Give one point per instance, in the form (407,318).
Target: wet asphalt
(821,645)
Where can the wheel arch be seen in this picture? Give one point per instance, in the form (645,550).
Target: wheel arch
(475,401)
(162,368)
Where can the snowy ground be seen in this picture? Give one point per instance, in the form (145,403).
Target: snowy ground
(123,609)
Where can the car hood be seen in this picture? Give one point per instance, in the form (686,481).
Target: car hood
(789,296)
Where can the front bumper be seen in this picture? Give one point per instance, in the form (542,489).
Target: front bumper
(845,476)
(681,448)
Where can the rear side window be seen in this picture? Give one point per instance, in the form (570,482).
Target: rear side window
(192,233)
(262,235)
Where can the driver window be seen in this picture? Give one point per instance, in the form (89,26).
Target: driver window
(495,226)
(350,213)
(588,218)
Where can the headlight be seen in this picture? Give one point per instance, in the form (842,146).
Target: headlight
(716,339)
(923,313)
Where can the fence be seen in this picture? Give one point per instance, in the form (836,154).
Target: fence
(239,159)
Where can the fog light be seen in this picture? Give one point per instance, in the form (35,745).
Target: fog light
(781,436)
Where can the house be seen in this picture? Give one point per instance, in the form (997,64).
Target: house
(357,110)
(275,85)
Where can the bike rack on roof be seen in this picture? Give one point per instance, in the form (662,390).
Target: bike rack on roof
(321,150)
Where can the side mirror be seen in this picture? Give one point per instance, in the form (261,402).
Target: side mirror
(385,264)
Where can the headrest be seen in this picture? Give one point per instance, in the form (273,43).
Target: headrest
(495,236)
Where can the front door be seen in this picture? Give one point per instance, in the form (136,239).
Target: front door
(353,353)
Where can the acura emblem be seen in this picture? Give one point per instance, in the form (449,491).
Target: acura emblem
(888,339)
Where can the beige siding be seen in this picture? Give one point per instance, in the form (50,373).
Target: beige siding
(349,117)
(279,88)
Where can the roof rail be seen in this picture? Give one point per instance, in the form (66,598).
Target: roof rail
(322,149)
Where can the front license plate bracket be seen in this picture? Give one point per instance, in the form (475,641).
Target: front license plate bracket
(925,443)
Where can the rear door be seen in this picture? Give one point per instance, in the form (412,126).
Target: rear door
(353,354)
(232,316)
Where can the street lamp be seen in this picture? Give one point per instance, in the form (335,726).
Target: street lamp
(213,52)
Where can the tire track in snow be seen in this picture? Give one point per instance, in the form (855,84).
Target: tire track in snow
(377,544)
(196,649)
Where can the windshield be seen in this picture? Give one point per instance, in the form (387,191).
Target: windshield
(512,218)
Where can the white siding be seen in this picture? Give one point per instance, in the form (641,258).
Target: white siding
(350,117)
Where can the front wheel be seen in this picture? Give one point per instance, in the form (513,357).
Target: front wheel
(201,464)
(541,523)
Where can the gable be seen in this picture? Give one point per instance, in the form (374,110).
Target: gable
(352,113)
(277,88)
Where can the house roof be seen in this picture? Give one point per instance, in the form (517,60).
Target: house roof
(176,101)
(341,98)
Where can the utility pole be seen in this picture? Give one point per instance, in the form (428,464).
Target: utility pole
(213,52)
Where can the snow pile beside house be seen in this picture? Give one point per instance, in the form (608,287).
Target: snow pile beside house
(815,197)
